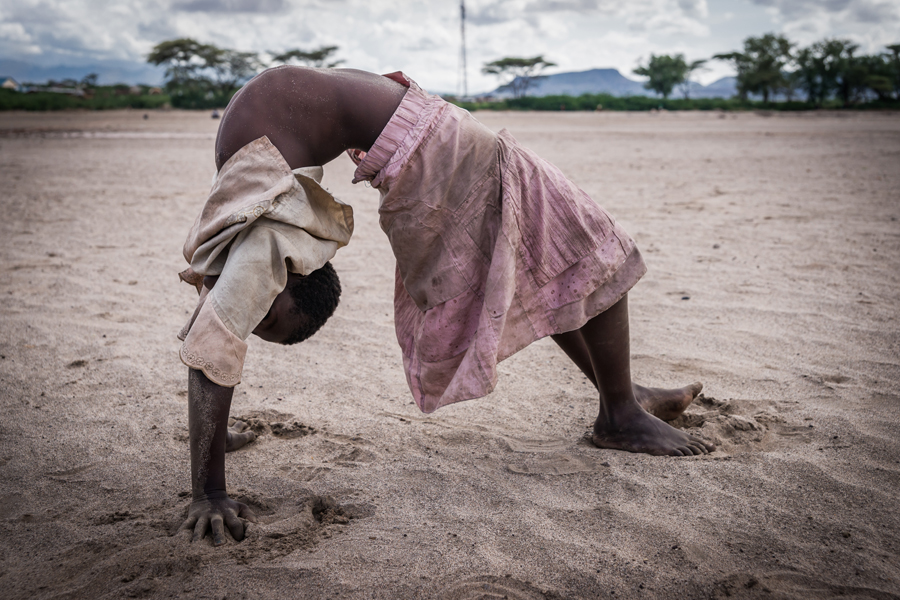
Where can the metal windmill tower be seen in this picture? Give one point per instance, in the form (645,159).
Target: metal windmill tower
(462,81)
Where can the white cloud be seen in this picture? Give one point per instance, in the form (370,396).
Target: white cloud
(14,33)
(232,6)
(696,9)
(14,38)
(422,38)
(871,23)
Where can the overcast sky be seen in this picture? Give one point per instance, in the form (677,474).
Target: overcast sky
(422,37)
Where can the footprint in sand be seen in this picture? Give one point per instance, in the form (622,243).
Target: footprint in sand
(791,585)
(739,424)
(355,455)
(536,445)
(290,524)
(724,430)
(346,450)
(275,423)
(305,473)
(555,464)
(553,458)
(289,431)
(490,586)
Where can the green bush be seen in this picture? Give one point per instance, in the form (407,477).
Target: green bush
(590,102)
(103,98)
(199,99)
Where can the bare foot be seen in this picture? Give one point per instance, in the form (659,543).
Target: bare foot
(666,404)
(238,436)
(637,431)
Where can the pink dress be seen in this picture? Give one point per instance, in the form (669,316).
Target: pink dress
(495,248)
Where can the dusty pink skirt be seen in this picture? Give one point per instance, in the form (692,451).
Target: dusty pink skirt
(495,247)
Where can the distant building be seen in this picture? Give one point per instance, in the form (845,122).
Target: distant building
(154,91)
(8,83)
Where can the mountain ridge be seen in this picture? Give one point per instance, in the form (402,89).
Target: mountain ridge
(611,81)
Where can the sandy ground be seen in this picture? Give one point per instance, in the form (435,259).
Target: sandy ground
(773,244)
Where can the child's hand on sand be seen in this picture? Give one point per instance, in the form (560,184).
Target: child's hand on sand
(214,511)
(239,435)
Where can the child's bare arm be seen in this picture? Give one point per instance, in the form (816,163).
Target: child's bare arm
(208,406)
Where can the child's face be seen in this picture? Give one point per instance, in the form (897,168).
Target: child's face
(279,322)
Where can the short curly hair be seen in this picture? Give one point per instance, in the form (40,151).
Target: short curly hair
(315,297)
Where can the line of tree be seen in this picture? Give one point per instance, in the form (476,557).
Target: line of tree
(206,76)
(608,102)
(771,65)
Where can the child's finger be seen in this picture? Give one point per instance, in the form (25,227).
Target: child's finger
(200,528)
(246,513)
(188,524)
(218,530)
(235,526)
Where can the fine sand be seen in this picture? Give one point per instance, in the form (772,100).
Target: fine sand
(773,246)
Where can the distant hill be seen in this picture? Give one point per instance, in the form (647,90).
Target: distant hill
(725,87)
(610,81)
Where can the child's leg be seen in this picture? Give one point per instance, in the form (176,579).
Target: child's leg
(661,403)
(622,424)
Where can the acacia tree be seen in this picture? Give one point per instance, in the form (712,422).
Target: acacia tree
(878,75)
(691,67)
(524,72)
(230,68)
(760,67)
(665,72)
(829,68)
(201,75)
(894,60)
(181,58)
(854,77)
(809,74)
(791,84)
(319,57)
(89,80)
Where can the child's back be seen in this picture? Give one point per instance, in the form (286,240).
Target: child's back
(310,115)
